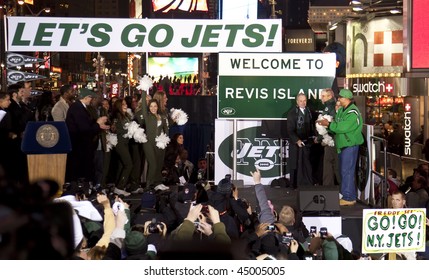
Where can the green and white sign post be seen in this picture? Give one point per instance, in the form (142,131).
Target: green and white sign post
(263,86)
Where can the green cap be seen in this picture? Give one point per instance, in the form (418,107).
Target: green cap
(346,93)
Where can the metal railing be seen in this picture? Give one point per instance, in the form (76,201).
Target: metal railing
(403,165)
(382,174)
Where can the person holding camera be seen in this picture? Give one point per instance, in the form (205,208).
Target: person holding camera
(204,219)
(324,246)
(288,226)
(300,129)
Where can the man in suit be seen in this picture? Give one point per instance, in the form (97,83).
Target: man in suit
(83,129)
(20,115)
(300,128)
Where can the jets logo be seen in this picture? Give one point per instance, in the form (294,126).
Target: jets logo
(252,152)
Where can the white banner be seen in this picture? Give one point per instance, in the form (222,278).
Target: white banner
(279,65)
(142,35)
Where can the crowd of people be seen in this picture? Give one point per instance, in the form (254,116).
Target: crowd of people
(103,153)
(181,213)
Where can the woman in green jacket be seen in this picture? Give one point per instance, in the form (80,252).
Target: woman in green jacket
(154,123)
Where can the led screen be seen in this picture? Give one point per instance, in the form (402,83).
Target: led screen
(184,5)
(179,67)
(239,9)
(420,35)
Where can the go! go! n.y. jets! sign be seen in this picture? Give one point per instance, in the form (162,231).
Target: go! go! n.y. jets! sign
(264,85)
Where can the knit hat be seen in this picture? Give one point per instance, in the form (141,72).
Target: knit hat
(224,186)
(346,93)
(135,243)
(84,92)
(188,193)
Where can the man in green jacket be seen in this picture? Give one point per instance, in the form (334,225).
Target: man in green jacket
(347,128)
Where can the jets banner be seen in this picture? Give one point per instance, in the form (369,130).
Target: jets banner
(14,77)
(16,59)
(142,35)
(264,85)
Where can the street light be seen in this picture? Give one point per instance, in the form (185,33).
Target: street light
(45,9)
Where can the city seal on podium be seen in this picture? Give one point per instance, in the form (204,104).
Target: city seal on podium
(47,136)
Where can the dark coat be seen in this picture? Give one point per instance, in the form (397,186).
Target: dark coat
(83,129)
(20,115)
(5,141)
(296,132)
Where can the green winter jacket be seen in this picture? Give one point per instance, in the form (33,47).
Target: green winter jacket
(347,127)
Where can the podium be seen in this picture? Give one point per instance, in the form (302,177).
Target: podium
(46,145)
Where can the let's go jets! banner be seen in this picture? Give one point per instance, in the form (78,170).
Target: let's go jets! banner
(144,35)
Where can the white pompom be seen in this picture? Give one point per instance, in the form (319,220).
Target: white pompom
(140,136)
(162,140)
(178,116)
(134,131)
(112,140)
(327,139)
(145,83)
(131,128)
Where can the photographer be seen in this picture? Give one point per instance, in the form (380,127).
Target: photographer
(204,219)
(289,222)
(324,246)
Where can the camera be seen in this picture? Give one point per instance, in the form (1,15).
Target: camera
(313,231)
(205,209)
(323,232)
(271,227)
(287,238)
(153,226)
(200,174)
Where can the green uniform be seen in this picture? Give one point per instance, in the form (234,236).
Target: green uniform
(122,148)
(137,153)
(154,155)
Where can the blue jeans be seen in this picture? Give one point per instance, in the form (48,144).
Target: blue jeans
(348,159)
